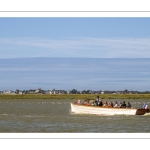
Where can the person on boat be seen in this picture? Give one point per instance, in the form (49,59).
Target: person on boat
(88,103)
(129,105)
(123,104)
(98,101)
(85,102)
(105,104)
(110,104)
(94,103)
(79,101)
(116,104)
(120,104)
(101,103)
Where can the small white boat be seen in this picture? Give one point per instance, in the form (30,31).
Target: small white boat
(81,108)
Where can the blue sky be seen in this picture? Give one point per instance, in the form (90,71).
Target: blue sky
(78,73)
(75,37)
(30,48)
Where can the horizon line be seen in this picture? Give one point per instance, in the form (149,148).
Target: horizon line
(77,57)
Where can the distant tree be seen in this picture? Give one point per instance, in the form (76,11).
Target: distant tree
(126,91)
(78,92)
(86,92)
(17,91)
(74,91)
(83,92)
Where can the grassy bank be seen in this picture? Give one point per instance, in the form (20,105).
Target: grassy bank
(76,96)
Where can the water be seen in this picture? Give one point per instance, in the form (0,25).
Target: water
(54,116)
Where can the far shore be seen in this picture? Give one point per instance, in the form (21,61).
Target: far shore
(74,96)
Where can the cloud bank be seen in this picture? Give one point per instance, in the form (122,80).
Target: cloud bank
(79,73)
(75,47)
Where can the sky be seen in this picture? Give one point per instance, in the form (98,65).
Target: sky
(116,51)
(75,37)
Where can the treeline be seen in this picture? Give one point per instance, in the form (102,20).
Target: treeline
(74,91)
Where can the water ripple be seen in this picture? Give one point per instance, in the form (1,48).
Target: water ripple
(55,116)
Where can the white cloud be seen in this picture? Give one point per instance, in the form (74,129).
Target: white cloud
(78,47)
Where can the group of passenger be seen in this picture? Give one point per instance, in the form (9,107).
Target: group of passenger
(99,102)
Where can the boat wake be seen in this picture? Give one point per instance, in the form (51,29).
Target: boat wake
(147,114)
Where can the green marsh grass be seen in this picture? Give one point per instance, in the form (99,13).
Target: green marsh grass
(75,96)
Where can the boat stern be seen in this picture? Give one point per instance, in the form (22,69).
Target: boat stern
(141,111)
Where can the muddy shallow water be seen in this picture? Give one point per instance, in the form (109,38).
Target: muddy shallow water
(54,116)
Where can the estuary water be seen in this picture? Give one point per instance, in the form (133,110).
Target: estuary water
(54,116)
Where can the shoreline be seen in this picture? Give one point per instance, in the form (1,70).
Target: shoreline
(75,96)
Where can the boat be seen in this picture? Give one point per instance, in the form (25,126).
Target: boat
(87,108)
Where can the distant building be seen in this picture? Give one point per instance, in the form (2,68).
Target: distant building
(19,92)
(58,92)
(38,90)
(8,92)
(95,92)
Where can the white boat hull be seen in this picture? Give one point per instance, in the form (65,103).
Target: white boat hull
(84,109)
